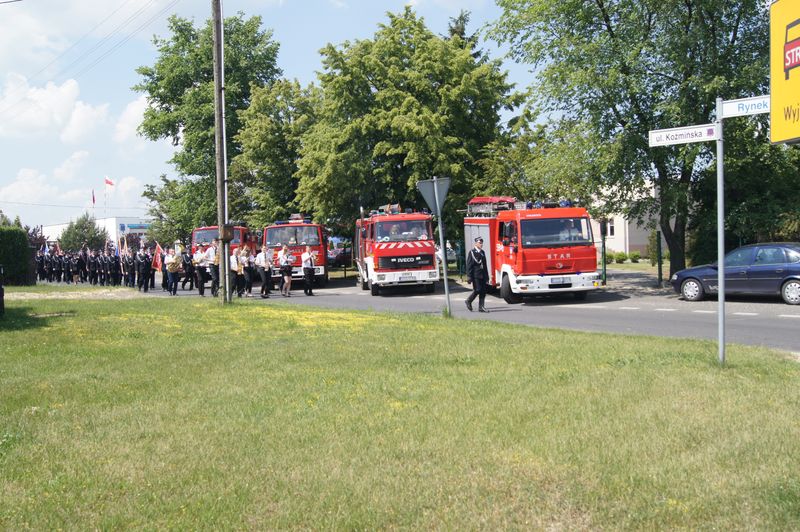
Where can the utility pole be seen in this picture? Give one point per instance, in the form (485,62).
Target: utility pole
(219,140)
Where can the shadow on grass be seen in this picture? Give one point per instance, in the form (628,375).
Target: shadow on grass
(22,318)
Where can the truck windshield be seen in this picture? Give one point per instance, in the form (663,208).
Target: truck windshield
(398,231)
(551,232)
(293,235)
(208,235)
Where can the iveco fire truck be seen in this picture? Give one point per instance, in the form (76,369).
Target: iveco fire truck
(534,248)
(393,249)
(241,235)
(298,232)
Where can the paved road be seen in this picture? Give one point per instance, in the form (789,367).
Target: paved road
(630,304)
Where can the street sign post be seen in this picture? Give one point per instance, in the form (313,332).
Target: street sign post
(702,133)
(434,192)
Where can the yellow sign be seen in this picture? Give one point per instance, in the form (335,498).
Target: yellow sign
(784,55)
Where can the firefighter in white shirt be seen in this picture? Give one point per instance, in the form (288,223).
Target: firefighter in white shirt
(212,264)
(308,271)
(200,266)
(264,267)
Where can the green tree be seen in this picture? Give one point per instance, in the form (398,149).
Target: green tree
(83,232)
(178,206)
(402,106)
(270,138)
(180,94)
(624,67)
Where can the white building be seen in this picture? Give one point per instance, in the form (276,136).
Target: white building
(116,227)
(623,235)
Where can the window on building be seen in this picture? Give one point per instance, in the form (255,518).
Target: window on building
(610,227)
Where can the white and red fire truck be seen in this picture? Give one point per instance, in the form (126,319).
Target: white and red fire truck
(298,232)
(394,249)
(534,249)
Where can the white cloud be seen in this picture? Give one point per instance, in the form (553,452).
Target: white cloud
(129,121)
(83,121)
(66,171)
(28,111)
(339,4)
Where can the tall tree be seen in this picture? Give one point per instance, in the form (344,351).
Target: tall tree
(180,94)
(402,106)
(270,140)
(83,232)
(624,67)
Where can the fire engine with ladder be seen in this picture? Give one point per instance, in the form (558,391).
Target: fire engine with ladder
(533,249)
(394,248)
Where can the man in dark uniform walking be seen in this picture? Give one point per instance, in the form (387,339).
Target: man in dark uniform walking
(188,268)
(477,274)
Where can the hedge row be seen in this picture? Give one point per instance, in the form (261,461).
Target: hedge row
(15,256)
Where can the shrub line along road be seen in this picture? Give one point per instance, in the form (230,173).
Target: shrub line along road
(630,304)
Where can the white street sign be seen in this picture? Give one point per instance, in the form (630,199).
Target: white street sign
(745,106)
(683,135)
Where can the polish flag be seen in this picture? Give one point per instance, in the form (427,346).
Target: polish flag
(109,181)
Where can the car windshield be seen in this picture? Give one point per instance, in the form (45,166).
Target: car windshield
(293,235)
(398,231)
(556,232)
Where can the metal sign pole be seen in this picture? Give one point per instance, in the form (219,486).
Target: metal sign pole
(441,245)
(720,234)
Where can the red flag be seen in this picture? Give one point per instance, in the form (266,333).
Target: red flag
(109,181)
(157,257)
(92,196)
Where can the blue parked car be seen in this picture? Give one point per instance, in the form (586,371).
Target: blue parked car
(762,269)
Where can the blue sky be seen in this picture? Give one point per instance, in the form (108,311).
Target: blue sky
(68,117)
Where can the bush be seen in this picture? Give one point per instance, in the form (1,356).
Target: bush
(609,256)
(16,256)
(635,256)
(620,257)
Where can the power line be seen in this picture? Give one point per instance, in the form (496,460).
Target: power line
(70,206)
(10,1)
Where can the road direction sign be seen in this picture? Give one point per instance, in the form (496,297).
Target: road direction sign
(745,106)
(683,135)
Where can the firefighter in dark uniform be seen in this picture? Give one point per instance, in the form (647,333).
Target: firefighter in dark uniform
(188,268)
(130,269)
(81,265)
(40,275)
(143,270)
(92,267)
(477,274)
(58,264)
(67,268)
(116,270)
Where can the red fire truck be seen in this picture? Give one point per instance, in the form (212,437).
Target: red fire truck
(393,248)
(241,235)
(534,248)
(298,232)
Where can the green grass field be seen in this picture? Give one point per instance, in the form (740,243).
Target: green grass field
(179,414)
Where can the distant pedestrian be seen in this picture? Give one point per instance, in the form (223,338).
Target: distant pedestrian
(307,259)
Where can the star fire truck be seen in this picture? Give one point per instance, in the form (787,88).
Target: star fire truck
(298,232)
(241,235)
(394,248)
(534,249)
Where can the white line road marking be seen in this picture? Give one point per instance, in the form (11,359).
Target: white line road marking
(745,313)
(789,315)
(704,311)
(629,308)
(665,309)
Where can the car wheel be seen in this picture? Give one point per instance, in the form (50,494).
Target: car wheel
(791,292)
(373,288)
(505,292)
(692,290)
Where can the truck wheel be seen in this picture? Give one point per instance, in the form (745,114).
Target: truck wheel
(430,288)
(791,292)
(363,283)
(373,288)
(692,290)
(505,292)
(581,296)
